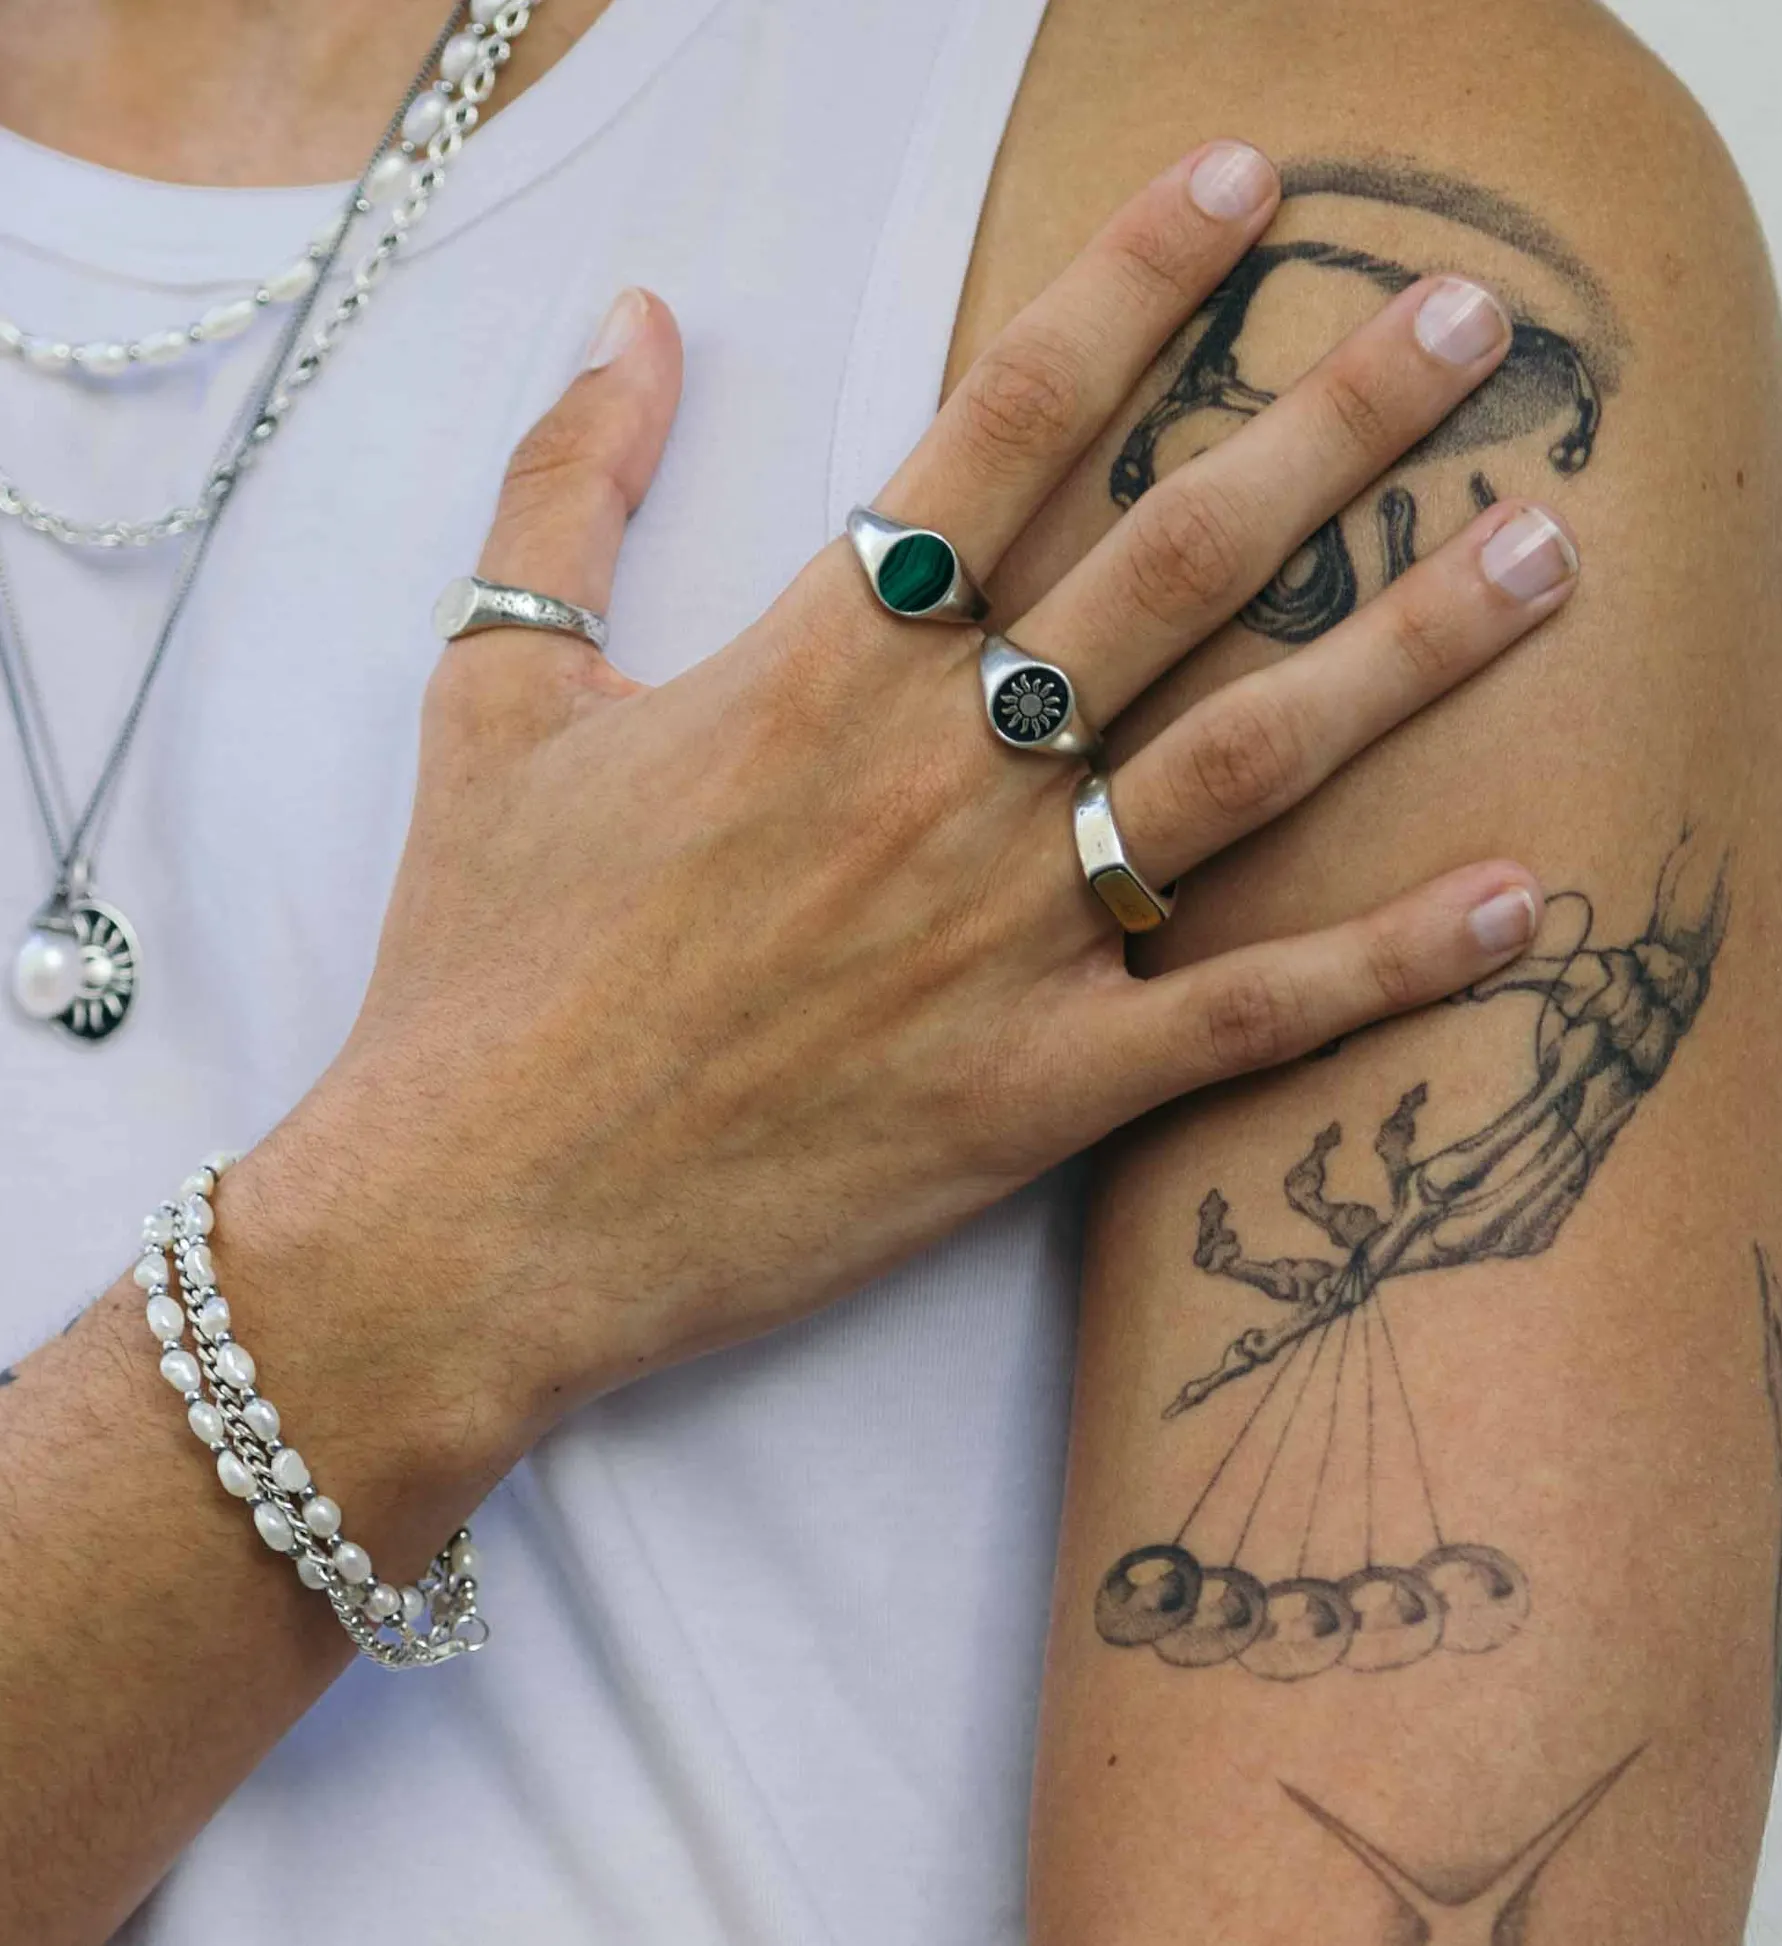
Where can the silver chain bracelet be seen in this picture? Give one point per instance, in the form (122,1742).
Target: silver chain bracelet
(430,1621)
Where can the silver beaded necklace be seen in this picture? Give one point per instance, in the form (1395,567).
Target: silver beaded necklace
(79,964)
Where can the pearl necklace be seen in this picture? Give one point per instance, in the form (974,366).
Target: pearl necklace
(110,357)
(79,964)
(410,172)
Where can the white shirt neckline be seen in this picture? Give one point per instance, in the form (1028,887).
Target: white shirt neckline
(193,234)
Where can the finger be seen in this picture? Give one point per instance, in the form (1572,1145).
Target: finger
(1193,550)
(1264,1005)
(574,481)
(1039,395)
(1258,746)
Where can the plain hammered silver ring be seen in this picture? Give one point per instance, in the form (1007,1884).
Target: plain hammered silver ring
(470,604)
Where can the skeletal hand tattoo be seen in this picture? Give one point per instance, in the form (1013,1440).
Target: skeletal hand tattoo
(1610,1020)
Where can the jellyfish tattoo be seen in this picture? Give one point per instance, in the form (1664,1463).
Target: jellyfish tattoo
(1552,383)
(1610,1019)
(1475,1908)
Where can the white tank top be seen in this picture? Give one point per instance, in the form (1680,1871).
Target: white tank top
(768,1628)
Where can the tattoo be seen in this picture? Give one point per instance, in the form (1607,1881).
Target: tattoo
(1769,1294)
(1481,1905)
(1317,1468)
(1549,390)
(7,1375)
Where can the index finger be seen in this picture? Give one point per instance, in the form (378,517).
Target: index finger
(1034,401)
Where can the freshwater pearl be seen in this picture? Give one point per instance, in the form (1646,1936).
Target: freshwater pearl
(199,1183)
(382,1602)
(321,1516)
(157,1230)
(103,360)
(180,1370)
(46,976)
(284,285)
(458,57)
(166,1317)
(275,1529)
(12,339)
(235,1477)
(199,1215)
(388,174)
(213,1317)
(310,1573)
(289,1471)
(162,347)
(465,1559)
(205,1420)
(352,1563)
(197,1267)
(236,1364)
(225,320)
(421,123)
(484,11)
(48,354)
(414,1605)
(262,1420)
(151,1271)
(218,1165)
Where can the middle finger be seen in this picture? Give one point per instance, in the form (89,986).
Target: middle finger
(1205,539)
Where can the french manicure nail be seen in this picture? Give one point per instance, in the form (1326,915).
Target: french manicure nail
(1504,924)
(1231,180)
(1529,555)
(617,329)
(1460,322)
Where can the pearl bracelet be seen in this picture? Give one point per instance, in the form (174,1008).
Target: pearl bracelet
(414,1627)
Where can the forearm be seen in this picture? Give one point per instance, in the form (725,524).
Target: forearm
(154,1650)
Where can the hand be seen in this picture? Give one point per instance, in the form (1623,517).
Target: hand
(696,1006)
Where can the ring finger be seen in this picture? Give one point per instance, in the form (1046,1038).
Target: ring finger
(1205,539)
(1255,748)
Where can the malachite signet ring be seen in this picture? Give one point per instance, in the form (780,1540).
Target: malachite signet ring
(916,573)
(1112,876)
(1031,705)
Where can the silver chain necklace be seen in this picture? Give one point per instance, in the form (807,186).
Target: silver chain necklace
(78,965)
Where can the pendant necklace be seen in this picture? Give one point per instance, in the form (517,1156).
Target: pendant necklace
(79,963)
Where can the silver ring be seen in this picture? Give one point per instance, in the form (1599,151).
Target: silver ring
(1031,704)
(915,573)
(470,604)
(1112,876)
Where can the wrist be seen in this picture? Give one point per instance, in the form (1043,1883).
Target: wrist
(380,1371)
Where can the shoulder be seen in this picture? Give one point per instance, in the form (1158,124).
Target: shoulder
(1551,105)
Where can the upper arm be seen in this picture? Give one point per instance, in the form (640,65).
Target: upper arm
(1501,1256)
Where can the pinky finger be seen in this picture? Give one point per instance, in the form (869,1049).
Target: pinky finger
(1262,1005)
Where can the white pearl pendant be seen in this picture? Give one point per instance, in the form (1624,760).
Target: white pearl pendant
(46,973)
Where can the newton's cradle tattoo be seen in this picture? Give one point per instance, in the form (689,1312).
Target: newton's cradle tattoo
(1484,1905)
(1315,1478)
(1549,391)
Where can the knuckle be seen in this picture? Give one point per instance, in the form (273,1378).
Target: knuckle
(1245,757)
(1392,970)
(1184,552)
(1155,256)
(1355,411)
(1024,398)
(1429,640)
(1254,1020)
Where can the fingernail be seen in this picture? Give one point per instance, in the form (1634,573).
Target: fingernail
(1231,180)
(1528,556)
(617,329)
(1504,924)
(1460,322)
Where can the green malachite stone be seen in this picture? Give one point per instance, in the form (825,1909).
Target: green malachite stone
(916,573)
